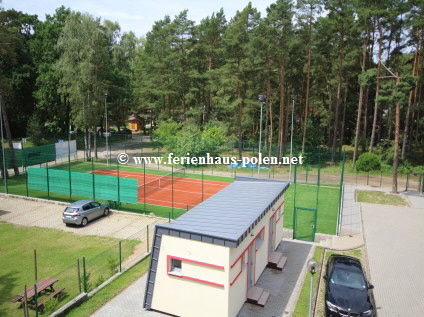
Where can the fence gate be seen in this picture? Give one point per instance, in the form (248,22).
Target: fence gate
(305,206)
(305,223)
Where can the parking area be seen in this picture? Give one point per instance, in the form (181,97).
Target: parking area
(394,242)
(25,212)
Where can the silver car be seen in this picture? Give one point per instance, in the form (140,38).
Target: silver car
(83,211)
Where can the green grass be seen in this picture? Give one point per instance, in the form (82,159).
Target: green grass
(57,254)
(381,198)
(110,291)
(302,305)
(328,198)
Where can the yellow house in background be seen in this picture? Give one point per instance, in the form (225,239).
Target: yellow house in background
(207,262)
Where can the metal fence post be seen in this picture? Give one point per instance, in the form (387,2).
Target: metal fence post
(25,302)
(94,184)
(202,185)
(119,185)
(35,299)
(35,265)
(84,274)
(148,242)
(26,174)
(120,256)
(79,275)
(48,181)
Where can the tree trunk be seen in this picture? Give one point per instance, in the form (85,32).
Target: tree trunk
(377,91)
(339,92)
(281,115)
(361,97)
(308,76)
(288,112)
(396,150)
(9,136)
(343,118)
(410,101)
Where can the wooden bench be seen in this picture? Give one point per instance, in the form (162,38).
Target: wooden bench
(55,293)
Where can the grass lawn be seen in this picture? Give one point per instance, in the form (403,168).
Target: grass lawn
(57,254)
(380,198)
(328,198)
(110,291)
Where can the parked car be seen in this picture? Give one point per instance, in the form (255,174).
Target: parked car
(347,291)
(83,211)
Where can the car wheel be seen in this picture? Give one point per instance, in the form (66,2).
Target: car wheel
(84,222)
(106,212)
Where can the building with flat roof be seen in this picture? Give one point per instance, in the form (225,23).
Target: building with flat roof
(207,262)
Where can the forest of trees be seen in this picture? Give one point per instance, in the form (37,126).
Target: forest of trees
(353,68)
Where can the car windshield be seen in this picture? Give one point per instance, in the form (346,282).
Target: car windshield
(347,278)
(70,209)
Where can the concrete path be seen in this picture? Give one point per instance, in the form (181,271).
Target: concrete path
(279,284)
(351,222)
(128,303)
(394,242)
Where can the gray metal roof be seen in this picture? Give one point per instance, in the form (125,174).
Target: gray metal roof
(227,217)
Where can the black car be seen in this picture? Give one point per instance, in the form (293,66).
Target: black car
(347,291)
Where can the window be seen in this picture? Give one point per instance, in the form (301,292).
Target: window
(86,207)
(260,240)
(94,204)
(243,261)
(175,266)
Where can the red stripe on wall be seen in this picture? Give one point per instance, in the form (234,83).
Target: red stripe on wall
(197,280)
(219,267)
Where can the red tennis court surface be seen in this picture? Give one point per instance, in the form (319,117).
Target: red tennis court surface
(185,192)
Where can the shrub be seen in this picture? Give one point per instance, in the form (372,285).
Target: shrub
(51,304)
(112,264)
(99,281)
(368,162)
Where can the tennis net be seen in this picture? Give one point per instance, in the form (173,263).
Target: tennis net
(162,182)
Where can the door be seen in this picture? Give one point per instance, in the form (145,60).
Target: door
(88,211)
(250,267)
(271,243)
(96,210)
(305,223)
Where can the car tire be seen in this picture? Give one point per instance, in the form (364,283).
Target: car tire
(106,212)
(84,222)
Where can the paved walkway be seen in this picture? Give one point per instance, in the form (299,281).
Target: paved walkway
(351,222)
(394,242)
(128,303)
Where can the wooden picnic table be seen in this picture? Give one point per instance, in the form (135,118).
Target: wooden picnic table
(41,286)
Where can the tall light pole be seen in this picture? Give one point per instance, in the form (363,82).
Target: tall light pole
(106,132)
(261,101)
(311,265)
(291,139)
(2,144)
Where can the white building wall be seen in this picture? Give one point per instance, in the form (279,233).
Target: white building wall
(238,289)
(194,293)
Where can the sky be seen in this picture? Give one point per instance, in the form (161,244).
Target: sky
(137,15)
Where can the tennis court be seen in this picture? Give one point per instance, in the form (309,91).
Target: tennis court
(172,190)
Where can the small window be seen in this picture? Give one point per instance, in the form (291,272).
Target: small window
(279,213)
(260,240)
(243,261)
(176,266)
(94,204)
(86,207)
